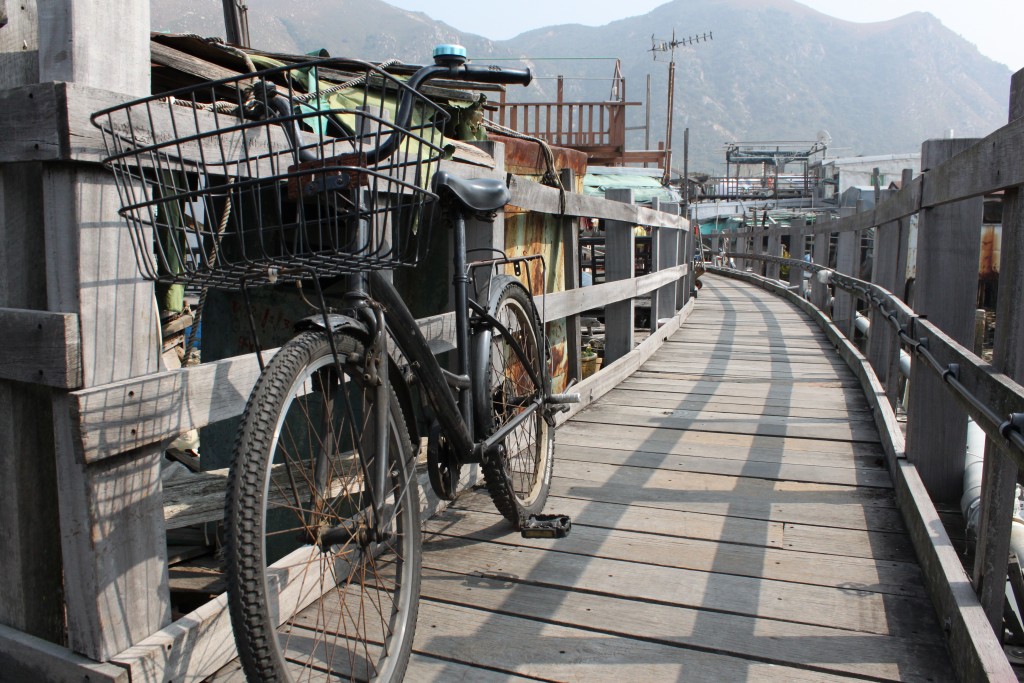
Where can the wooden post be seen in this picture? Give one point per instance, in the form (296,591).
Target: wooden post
(796,250)
(111,516)
(759,247)
(31,595)
(742,247)
(844,307)
(571,273)
(904,245)
(618,265)
(947,278)
(999,475)
(684,254)
(820,291)
(666,245)
(656,258)
(881,343)
(774,249)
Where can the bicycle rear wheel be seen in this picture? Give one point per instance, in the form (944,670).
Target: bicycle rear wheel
(519,480)
(313,592)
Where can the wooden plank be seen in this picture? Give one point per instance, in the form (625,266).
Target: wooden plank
(739,446)
(697,372)
(25,658)
(819,648)
(165,55)
(705,463)
(780,370)
(976,652)
(796,509)
(852,609)
(558,305)
(832,429)
(947,273)
(564,653)
(769,564)
(794,355)
(111,522)
(817,393)
(30,553)
(776,406)
(533,196)
(722,528)
(725,489)
(40,347)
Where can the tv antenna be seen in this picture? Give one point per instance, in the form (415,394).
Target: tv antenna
(670,46)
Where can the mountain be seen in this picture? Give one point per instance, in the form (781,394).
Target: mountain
(776,70)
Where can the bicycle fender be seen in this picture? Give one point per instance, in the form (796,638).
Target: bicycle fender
(337,321)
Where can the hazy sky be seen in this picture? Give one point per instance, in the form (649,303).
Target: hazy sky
(995,26)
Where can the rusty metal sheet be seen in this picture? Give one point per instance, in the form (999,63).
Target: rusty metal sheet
(526,158)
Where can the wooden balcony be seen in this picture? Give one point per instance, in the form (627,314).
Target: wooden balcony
(597,128)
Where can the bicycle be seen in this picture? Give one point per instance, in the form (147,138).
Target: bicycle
(269,178)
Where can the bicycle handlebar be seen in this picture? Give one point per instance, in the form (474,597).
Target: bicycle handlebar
(450,63)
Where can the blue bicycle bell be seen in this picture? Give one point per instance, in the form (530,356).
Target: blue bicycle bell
(449,55)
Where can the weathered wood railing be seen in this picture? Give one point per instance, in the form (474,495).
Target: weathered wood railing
(948,382)
(85,411)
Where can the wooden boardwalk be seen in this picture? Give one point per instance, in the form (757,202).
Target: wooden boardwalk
(733,521)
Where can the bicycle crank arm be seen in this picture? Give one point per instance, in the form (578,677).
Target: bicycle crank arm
(486,447)
(546,526)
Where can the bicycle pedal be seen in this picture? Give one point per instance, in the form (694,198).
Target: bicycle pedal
(546,526)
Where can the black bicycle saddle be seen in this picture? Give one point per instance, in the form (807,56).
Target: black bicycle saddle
(476,194)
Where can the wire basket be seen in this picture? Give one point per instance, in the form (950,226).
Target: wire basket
(222,186)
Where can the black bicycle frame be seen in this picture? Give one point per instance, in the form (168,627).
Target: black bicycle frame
(455,417)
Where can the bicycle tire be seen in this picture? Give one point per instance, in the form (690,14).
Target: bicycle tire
(518,481)
(358,598)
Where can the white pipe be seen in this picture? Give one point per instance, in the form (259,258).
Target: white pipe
(970,502)
(862,323)
(974,464)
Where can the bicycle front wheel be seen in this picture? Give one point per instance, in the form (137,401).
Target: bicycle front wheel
(320,586)
(517,481)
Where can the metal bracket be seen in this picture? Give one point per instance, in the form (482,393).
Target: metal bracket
(952,370)
(1013,423)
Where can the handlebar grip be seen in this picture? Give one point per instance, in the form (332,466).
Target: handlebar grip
(493,74)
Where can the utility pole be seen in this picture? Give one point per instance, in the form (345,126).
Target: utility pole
(646,125)
(670,46)
(236,23)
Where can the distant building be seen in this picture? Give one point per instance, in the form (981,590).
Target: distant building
(834,176)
